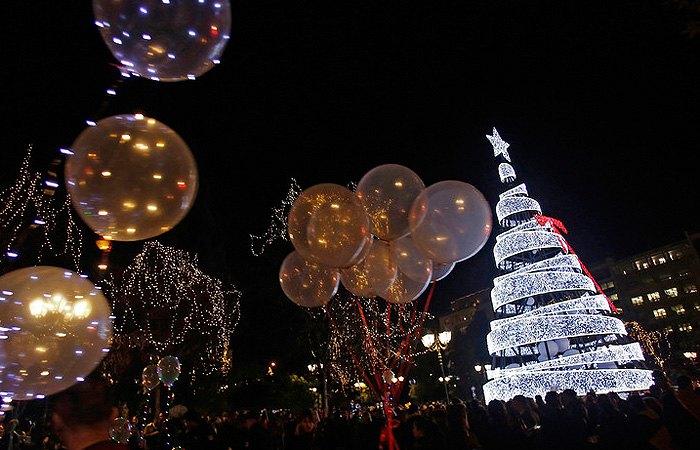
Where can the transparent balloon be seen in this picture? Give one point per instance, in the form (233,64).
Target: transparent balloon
(120,430)
(307,283)
(451,221)
(374,274)
(55,328)
(328,225)
(440,271)
(131,177)
(168,370)
(149,376)
(164,40)
(387,193)
(411,260)
(404,289)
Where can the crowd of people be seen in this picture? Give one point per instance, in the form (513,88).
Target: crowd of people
(665,417)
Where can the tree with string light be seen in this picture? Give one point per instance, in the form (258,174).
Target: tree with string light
(554,326)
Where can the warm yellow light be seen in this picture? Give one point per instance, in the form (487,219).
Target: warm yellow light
(104,244)
(125,137)
(106,173)
(36,308)
(102,266)
(131,230)
(44,373)
(157,176)
(81,309)
(129,204)
(160,144)
(428,340)
(102,212)
(151,121)
(152,208)
(141,146)
(138,116)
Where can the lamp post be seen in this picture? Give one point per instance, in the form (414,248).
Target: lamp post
(437,342)
(483,371)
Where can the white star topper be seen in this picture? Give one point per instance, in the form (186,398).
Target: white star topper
(499,145)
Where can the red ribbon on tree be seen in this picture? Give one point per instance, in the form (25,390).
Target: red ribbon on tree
(560,229)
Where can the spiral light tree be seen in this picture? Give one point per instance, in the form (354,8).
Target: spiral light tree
(554,328)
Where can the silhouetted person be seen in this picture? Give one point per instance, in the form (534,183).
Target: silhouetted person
(82,416)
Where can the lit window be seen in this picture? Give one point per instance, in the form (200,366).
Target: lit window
(690,289)
(675,254)
(668,329)
(641,265)
(678,309)
(637,300)
(658,259)
(685,327)
(654,296)
(607,285)
(660,313)
(613,297)
(672,292)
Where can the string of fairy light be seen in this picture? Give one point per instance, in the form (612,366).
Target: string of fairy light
(278,222)
(165,305)
(28,205)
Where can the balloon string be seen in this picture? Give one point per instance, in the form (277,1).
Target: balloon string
(560,229)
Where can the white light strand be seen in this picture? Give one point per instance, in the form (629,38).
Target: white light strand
(580,305)
(520,189)
(278,222)
(525,285)
(506,172)
(509,206)
(531,330)
(500,147)
(524,241)
(531,384)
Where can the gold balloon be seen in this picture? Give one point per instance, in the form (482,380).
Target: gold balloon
(55,327)
(131,177)
(387,193)
(450,221)
(328,225)
(307,283)
(374,274)
(404,289)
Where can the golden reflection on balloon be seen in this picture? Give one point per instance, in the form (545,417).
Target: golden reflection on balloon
(374,274)
(327,225)
(387,193)
(131,177)
(307,283)
(55,327)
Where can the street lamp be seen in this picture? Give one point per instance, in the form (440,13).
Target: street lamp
(482,370)
(437,342)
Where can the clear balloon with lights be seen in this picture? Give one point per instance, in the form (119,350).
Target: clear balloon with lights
(131,177)
(120,430)
(149,377)
(168,370)
(307,283)
(404,289)
(165,40)
(411,260)
(450,221)
(440,271)
(328,225)
(55,328)
(387,193)
(374,274)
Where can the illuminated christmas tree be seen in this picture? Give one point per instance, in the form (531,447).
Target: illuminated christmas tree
(554,329)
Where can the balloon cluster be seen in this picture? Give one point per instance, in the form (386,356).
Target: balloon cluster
(55,328)
(390,238)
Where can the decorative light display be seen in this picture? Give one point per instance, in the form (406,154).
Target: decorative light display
(278,222)
(165,305)
(29,206)
(552,329)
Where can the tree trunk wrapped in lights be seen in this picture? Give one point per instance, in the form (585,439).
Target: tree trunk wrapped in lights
(554,327)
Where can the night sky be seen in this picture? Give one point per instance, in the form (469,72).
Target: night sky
(599,101)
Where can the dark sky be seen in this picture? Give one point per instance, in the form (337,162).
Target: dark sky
(599,101)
